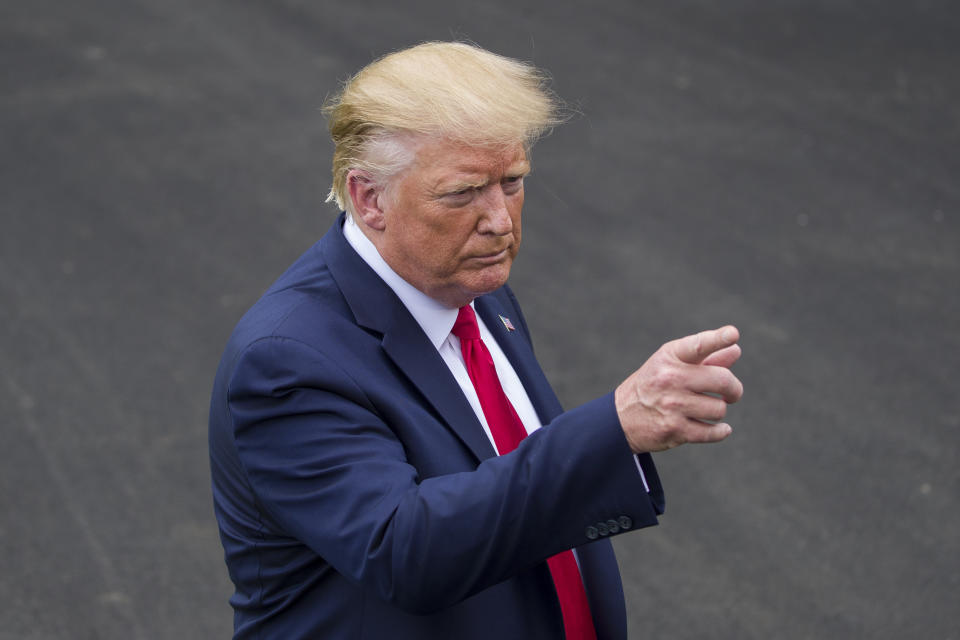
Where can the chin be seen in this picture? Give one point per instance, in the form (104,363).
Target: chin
(490,279)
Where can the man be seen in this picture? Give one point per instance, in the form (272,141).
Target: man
(361,404)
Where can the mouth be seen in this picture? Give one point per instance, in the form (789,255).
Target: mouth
(493,258)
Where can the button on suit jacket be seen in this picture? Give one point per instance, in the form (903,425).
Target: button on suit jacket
(358,497)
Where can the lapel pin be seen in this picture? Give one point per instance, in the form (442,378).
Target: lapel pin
(506,323)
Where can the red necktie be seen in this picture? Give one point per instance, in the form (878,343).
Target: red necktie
(508,431)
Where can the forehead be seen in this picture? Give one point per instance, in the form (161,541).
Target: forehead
(440,159)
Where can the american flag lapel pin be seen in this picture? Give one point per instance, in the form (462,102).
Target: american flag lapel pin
(506,323)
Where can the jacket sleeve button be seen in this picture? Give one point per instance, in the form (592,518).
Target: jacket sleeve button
(613,526)
(592,533)
(603,529)
(625,522)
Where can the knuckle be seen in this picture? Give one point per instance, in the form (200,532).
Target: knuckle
(732,387)
(666,431)
(739,390)
(734,391)
(671,403)
(698,344)
(721,411)
(667,378)
(673,428)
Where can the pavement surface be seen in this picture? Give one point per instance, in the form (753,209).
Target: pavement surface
(791,167)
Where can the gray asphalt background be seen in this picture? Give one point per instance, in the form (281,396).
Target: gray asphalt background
(788,166)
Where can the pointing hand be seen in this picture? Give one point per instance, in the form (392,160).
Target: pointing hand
(681,393)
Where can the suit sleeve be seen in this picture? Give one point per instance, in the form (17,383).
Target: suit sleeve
(328,471)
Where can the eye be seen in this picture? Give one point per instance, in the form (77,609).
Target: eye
(512,184)
(460,197)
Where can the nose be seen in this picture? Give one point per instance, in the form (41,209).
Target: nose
(496,218)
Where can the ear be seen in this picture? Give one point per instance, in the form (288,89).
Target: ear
(365,197)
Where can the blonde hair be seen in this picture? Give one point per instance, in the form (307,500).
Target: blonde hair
(451,90)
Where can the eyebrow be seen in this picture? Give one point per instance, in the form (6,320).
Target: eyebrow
(516,170)
(521,168)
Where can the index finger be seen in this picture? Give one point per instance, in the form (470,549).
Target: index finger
(694,349)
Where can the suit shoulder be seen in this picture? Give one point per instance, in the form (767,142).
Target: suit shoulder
(303,304)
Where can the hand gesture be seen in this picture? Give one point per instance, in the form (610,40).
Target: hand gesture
(681,393)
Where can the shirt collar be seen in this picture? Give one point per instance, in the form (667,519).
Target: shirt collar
(434,318)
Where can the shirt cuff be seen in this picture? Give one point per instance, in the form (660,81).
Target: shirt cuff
(643,477)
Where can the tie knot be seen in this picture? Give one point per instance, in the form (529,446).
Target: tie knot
(466,327)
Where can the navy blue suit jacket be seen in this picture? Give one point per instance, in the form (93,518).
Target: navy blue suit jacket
(358,496)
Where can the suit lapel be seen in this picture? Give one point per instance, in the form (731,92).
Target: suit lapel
(375,306)
(520,354)
(409,348)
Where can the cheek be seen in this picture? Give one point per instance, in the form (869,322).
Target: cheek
(516,216)
(446,242)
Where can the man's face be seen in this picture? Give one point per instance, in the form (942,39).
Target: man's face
(452,219)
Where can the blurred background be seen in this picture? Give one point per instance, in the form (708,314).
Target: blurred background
(788,166)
